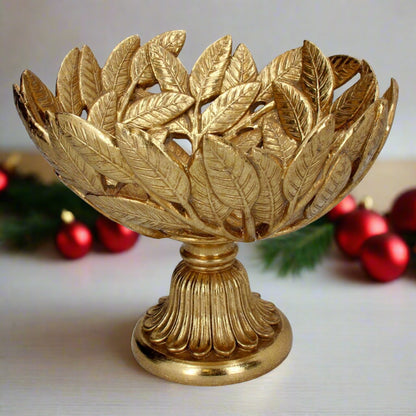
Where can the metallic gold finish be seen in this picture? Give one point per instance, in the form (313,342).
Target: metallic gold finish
(272,152)
(211,329)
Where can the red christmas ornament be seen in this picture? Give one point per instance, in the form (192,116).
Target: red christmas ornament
(347,205)
(74,239)
(115,237)
(4,180)
(357,226)
(403,213)
(385,256)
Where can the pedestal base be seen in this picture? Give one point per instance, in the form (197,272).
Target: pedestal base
(211,329)
(212,370)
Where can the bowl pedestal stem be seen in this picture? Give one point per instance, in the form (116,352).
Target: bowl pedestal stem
(211,329)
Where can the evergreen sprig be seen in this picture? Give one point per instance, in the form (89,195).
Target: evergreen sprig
(299,250)
(29,232)
(30,211)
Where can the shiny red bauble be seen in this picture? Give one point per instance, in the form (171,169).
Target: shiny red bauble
(385,256)
(4,180)
(115,237)
(74,240)
(403,213)
(357,226)
(348,204)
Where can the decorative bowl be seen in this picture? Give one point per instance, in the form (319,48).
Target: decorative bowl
(226,154)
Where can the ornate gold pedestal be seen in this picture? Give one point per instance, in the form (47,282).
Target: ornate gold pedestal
(211,330)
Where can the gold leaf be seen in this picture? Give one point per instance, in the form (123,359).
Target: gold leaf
(158,135)
(308,162)
(103,113)
(67,84)
(356,136)
(231,175)
(141,68)
(133,191)
(344,68)
(28,105)
(23,96)
(228,108)
(284,68)
(95,147)
(177,153)
(367,70)
(352,103)
(72,167)
(154,168)
(208,72)
(169,70)
(38,96)
(270,204)
(376,138)
(140,93)
(207,205)
(391,95)
(275,140)
(36,131)
(247,140)
(138,216)
(317,79)
(90,84)
(295,112)
(336,180)
(39,135)
(116,71)
(180,125)
(172,40)
(375,142)
(158,109)
(242,69)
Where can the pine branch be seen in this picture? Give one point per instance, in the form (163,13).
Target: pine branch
(27,233)
(26,195)
(302,249)
(30,211)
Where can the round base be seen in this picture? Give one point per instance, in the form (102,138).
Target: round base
(214,370)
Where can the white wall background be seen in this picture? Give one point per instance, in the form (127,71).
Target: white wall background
(38,34)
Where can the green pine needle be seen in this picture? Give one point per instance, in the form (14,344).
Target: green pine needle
(302,249)
(26,195)
(27,233)
(30,212)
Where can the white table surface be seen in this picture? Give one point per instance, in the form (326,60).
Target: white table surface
(65,332)
(65,340)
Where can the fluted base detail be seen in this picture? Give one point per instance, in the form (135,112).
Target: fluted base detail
(211,320)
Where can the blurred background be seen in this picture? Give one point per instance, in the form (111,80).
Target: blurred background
(38,34)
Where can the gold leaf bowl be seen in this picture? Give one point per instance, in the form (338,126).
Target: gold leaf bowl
(224,154)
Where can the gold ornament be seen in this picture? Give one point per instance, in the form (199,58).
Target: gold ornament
(272,152)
